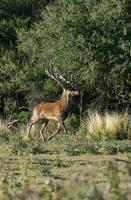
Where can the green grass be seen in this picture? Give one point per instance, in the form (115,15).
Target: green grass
(78,165)
(70,177)
(53,170)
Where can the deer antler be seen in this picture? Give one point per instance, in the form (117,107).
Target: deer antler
(55,75)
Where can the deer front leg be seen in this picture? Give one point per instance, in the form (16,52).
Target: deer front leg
(64,127)
(42,129)
(57,131)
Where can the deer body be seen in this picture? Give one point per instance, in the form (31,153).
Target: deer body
(56,111)
(53,110)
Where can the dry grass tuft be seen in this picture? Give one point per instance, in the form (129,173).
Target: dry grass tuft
(94,122)
(111,125)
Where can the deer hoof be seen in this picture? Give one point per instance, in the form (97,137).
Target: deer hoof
(27,138)
(49,138)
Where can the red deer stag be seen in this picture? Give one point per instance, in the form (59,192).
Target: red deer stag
(57,111)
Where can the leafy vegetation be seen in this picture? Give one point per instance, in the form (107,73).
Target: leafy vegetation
(58,176)
(91,38)
(99,162)
(90,42)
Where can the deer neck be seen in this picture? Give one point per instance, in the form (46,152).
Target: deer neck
(66,100)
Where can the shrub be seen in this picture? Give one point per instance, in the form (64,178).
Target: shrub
(24,116)
(88,37)
(4,131)
(18,145)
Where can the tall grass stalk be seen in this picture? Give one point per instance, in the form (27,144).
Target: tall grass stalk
(94,122)
(109,125)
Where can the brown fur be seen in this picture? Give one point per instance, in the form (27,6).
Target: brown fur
(56,111)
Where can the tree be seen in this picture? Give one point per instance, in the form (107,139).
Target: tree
(14,15)
(89,37)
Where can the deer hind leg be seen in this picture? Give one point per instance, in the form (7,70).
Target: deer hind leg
(30,127)
(35,117)
(33,121)
(42,129)
(57,131)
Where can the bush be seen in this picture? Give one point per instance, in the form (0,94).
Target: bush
(18,145)
(4,131)
(91,38)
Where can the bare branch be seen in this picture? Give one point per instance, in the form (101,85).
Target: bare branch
(10,124)
(121,160)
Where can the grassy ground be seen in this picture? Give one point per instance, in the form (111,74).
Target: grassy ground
(50,172)
(80,165)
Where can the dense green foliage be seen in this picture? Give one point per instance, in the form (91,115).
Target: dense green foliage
(85,37)
(90,38)
(14,15)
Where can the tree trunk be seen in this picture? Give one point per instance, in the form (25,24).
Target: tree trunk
(1,108)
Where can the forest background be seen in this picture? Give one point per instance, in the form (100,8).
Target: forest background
(86,38)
